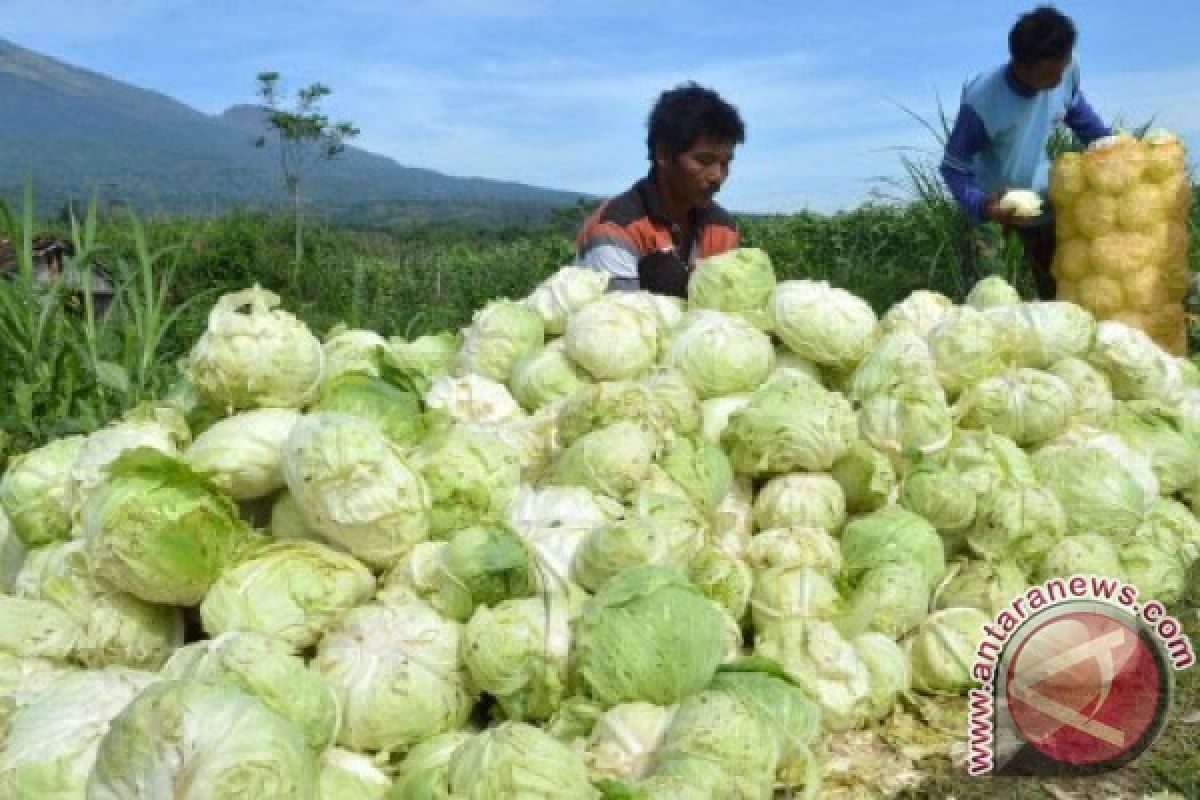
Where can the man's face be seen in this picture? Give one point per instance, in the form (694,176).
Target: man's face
(1044,74)
(696,174)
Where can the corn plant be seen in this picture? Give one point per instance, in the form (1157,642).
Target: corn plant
(69,366)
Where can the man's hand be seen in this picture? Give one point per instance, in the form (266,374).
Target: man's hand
(1006,217)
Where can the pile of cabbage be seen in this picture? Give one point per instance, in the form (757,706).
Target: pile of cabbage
(593,545)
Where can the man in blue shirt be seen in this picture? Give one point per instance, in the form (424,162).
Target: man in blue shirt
(1004,122)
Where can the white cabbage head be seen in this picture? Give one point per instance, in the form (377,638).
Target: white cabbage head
(244,453)
(192,740)
(918,313)
(356,488)
(562,294)
(813,654)
(397,674)
(52,743)
(612,340)
(472,398)
(824,324)
(720,354)
(625,740)
(1021,202)
(346,775)
(353,351)
(254,355)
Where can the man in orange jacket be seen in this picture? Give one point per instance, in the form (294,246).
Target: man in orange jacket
(650,236)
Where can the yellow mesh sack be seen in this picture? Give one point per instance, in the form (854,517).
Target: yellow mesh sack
(1121,214)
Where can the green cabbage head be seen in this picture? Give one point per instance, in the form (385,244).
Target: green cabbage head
(517,652)
(720,354)
(543,376)
(562,294)
(811,500)
(472,476)
(892,536)
(939,495)
(159,530)
(987,585)
(499,335)
(824,324)
(115,628)
(942,650)
(396,412)
(738,280)
(515,759)
(1091,393)
(991,292)
(424,772)
(612,460)
(611,339)
(33,491)
(1029,406)
(789,426)
(244,453)
(415,365)
(1097,491)
(648,635)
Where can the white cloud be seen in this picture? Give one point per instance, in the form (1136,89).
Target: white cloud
(569,123)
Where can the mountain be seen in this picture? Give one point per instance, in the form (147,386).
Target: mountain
(80,132)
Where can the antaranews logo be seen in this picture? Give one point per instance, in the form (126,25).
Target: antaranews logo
(1076,678)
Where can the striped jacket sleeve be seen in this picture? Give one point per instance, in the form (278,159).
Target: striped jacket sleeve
(606,246)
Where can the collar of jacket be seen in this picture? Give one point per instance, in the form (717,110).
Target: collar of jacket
(1019,88)
(647,189)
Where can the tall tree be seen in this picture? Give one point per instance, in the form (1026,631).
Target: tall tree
(303,134)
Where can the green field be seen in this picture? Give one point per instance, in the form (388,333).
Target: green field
(71,371)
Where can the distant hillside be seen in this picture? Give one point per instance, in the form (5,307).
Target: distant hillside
(79,132)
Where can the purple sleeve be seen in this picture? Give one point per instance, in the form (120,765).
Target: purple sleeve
(1086,123)
(967,139)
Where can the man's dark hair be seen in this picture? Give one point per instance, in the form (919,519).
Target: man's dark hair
(684,114)
(1042,34)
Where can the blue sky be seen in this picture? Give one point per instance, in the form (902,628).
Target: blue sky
(556,93)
